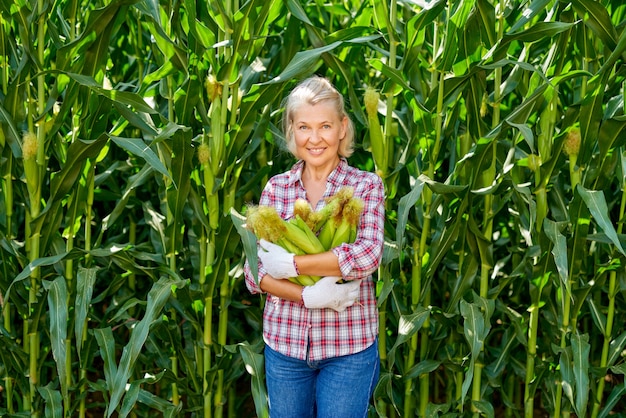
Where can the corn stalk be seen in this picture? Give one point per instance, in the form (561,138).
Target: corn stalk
(478,101)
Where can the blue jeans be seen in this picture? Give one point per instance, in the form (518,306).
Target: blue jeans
(339,387)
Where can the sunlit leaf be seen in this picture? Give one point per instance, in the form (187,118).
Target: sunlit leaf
(596,203)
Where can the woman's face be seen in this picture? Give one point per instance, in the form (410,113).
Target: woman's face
(318,131)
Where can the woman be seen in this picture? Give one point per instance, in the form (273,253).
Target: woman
(321,355)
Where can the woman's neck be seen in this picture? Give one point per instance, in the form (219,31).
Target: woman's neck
(317,174)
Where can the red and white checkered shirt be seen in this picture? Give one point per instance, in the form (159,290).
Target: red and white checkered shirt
(289,327)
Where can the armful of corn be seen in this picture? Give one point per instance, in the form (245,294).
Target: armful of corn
(308,232)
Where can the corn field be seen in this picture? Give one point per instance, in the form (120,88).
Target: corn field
(134,131)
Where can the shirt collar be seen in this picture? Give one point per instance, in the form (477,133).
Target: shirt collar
(336,176)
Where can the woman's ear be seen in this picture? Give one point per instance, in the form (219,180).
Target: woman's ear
(344,127)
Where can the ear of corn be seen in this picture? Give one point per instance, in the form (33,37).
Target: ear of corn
(335,224)
(301,235)
(326,233)
(305,280)
(342,234)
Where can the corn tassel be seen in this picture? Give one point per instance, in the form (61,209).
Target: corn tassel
(346,222)
(334,206)
(302,209)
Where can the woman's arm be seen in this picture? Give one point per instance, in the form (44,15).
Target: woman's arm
(323,264)
(282,288)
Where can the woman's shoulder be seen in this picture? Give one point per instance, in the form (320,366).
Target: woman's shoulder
(283,180)
(278,179)
(356,176)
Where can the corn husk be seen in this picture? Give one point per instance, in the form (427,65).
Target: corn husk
(309,232)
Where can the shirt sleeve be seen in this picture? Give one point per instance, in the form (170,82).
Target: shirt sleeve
(253,285)
(360,259)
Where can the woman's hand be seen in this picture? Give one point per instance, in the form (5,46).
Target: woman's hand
(326,293)
(277,261)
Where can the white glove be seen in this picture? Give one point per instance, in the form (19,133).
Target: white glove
(277,261)
(326,293)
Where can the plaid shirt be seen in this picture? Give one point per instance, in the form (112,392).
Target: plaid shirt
(316,334)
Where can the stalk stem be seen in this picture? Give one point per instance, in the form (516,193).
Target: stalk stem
(5,305)
(530,360)
(416,281)
(610,318)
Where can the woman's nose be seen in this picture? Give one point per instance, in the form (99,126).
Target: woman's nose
(315,135)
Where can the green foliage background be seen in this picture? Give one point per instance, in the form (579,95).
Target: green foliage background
(499,135)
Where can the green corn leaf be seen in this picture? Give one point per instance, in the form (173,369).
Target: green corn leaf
(41,262)
(616,348)
(249,242)
(422,368)
(138,147)
(305,61)
(391,73)
(529,12)
(139,120)
(615,54)
(13,135)
(58,314)
(130,399)
(85,280)
(464,280)
(63,182)
(596,203)
(539,31)
(494,370)
(106,342)
(437,410)
(474,331)
(597,18)
(598,317)
(611,136)
(485,408)
(408,326)
(124,98)
(479,244)
(567,372)
(381,390)
(254,366)
(591,116)
(187,97)
(157,297)
(168,409)
(444,188)
(580,354)
(455,25)
(53,400)
(181,167)
(616,395)
(135,182)
(559,252)
(405,205)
